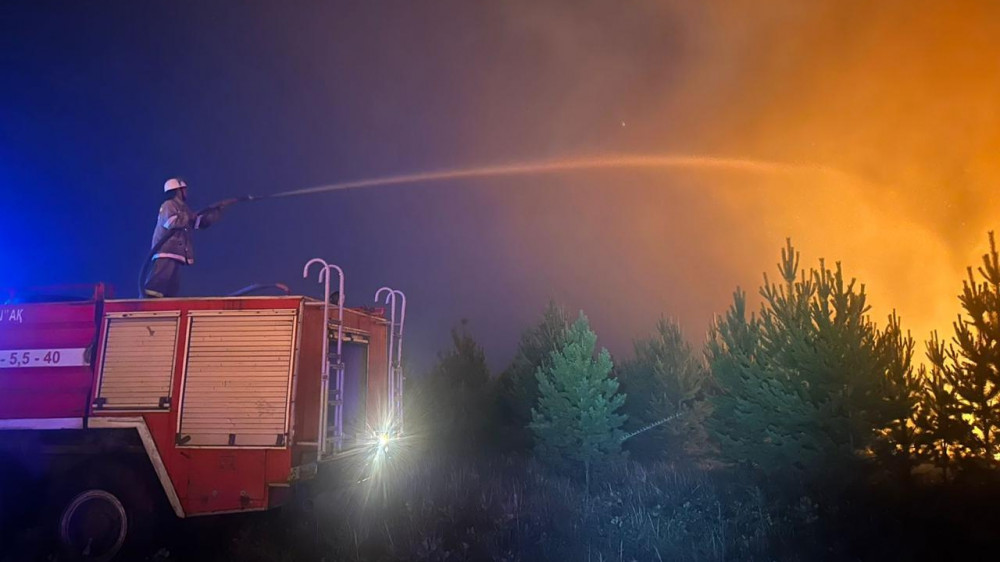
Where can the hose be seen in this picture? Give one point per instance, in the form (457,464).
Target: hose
(647,427)
(218,206)
(260,286)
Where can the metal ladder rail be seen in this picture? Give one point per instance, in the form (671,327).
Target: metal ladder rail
(336,400)
(390,299)
(399,362)
(325,402)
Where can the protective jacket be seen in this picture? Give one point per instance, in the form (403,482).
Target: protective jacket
(173,230)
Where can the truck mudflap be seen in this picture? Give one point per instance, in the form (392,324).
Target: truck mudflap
(305,472)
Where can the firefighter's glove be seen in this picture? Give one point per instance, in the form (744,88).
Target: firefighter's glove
(208,217)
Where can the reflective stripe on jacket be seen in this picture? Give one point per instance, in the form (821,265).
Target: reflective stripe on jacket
(178,219)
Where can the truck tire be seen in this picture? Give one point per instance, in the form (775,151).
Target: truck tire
(108,514)
(93,526)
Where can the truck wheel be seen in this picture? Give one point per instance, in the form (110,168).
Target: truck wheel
(109,514)
(93,526)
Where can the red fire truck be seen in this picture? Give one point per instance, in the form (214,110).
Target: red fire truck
(114,409)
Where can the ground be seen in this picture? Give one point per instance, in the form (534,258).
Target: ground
(514,509)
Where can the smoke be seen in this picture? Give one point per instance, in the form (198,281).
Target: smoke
(899,95)
(902,95)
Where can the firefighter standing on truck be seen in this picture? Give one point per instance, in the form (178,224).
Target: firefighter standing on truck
(172,240)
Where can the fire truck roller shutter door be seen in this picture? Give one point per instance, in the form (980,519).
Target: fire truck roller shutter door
(137,361)
(237,378)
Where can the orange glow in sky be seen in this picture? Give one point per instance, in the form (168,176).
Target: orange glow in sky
(902,97)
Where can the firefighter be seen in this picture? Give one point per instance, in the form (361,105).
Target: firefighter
(172,239)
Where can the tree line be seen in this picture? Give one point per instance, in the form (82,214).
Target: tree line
(806,388)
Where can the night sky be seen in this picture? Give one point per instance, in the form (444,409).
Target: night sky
(102,102)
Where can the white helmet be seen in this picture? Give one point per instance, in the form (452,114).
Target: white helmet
(174,183)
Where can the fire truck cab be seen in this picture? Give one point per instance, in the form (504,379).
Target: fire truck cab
(117,408)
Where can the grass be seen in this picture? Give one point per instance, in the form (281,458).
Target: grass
(443,509)
(507,509)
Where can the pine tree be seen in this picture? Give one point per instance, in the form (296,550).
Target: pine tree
(455,394)
(969,366)
(939,427)
(898,443)
(805,385)
(517,386)
(666,379)
(758,402)
(575,417)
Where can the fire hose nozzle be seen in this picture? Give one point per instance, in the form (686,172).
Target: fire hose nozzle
(227,202)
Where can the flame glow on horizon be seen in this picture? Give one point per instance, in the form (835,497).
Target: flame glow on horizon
(828,213)
(899,96)
(801,201)
(894,102)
